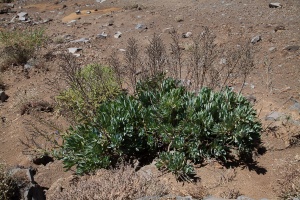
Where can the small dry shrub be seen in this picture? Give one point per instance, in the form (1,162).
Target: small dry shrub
(123,183)
(43,136)
(23,97)
(18,46)
(230,194)
(289,183)
(202,64)
(42,106)
(8,186)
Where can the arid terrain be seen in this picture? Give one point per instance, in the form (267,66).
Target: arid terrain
(274,83)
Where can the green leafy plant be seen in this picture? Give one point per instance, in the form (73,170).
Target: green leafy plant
(88,88)
(165,121)
(18,46)
(175,162)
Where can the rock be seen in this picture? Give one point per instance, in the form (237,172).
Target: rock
(185,82)
(296,106)
(28,187)
(272,49)
(77,12)
(72,21)
(3,96)
(292,48)
(159,197)
(110,22)
(56,187)
(76,54)
(100,1)
(84,40)
(23,173)
(47,20)
(223,61)
(244,198)
(102,35)
(88,12)
(251,98)
(10,5)
(141,27)
(275,5)
(23,16)
(256,39)
(74,50)
(187,35)
(279,28)
(150,198)
(297,158)
(273,116)
(184,198)
(169,30)
(31,63)
(212,198)
(28,66)
(179,18)
(13,19)
(117,34)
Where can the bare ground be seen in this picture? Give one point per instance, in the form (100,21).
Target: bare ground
(276,89)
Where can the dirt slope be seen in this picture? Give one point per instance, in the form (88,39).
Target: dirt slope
(275,89)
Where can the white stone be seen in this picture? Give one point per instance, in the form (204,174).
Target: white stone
(117,34)
(275,5)
(74,50)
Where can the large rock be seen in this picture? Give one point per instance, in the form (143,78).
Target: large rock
(28,187)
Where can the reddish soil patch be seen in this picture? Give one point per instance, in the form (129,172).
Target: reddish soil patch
(275,89)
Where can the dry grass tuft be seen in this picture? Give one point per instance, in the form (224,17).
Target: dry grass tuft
(123,183)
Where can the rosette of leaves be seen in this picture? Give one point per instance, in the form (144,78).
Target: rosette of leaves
(165,121)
